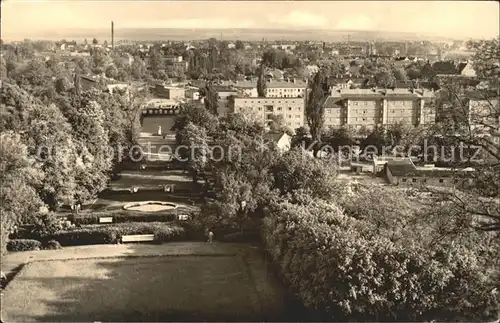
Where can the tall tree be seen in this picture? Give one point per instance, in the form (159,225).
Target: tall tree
(48,135)
(196,115)
(211,98)
(92,141)
(261,81)
(384,78)
(50,141)
(315,108)
(400,75)
(196,139)
(295,171)
(19,175)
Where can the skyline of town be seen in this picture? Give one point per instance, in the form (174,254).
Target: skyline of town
(25,19)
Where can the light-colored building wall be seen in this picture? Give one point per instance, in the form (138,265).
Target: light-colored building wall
(176,93)
(275,91)
(367,113)
(402,111)
(291,109)
(334,117)
(250,92)
(468,71)
(368,108)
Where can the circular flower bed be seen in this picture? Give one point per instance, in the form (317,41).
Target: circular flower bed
(150,206)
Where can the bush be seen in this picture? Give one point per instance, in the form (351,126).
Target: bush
(53,245)
(23,245)
(341,270)
(112,233)
(122,216)
(47,224)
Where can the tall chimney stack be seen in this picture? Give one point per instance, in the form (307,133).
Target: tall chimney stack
(112,35)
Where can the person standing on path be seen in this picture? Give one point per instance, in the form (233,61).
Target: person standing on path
(210,236)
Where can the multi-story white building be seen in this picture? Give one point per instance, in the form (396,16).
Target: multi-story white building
(291,88)
(290,109)
(286,89)
(371,107)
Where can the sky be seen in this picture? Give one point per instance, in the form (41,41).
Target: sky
(455,19)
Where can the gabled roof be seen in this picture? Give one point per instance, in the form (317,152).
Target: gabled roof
(333,102)
(406,168)
(401,167)
(461,67)
(275,137)
(277,74)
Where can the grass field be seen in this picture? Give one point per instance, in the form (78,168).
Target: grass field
(224,287)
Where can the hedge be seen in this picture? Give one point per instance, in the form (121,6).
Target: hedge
(23,245)
(112,233)
(122,216)
(341,271)
(52,245)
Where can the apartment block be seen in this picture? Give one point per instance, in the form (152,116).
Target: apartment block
(291,109)
(286,89)
(371,107)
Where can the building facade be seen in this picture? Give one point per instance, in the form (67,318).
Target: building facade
(286,89)
(161,107)
(290,109)
(408,175)
(170,92)
(372,107)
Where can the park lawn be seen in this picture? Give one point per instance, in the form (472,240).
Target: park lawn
(182,288)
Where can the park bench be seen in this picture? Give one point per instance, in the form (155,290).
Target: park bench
(138,238)
(108,219)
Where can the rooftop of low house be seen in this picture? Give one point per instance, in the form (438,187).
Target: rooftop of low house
(406,168)
(274,137)
(401,167)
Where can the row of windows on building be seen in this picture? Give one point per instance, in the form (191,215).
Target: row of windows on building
(265,101)
(280,95)
(167,111)
(408,112)
(409,103)
(271,109)
(424,180)
(276,90)
(371,120)
(289,116)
